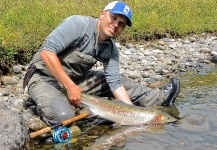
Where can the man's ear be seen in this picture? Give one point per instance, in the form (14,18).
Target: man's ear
(102,13)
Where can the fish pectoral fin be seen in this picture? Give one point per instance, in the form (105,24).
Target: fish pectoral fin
(90,113)
(116,125)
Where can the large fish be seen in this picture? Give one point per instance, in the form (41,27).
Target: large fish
(124,114)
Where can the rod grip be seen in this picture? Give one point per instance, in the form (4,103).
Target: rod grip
(39,132)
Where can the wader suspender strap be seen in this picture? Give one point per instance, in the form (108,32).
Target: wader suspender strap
(88,31)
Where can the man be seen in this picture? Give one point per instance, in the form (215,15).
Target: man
(66,57)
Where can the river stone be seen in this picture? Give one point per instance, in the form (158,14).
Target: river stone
(155,84)
(12,134)
(7,80)
(214,46)
(205,50)
(74,130)
(17,69)
(214,58)
(195,122)
(36,124)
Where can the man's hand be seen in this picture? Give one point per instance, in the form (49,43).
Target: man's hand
(74,95)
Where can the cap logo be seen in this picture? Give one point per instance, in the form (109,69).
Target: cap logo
(126,9)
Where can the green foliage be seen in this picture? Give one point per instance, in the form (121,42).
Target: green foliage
(7,54)
(24,24)
(179,16)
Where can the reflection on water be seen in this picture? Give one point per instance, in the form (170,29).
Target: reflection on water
(118,137)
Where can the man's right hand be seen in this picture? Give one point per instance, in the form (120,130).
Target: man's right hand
(53,64)
(74,95)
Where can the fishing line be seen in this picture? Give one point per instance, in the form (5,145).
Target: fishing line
(85,131)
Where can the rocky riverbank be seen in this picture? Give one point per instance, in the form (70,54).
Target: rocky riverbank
(145,63)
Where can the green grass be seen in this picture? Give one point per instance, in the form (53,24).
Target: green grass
(24,24)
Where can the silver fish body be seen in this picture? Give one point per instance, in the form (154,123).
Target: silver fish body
(125,114)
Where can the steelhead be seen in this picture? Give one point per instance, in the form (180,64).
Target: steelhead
(124,114)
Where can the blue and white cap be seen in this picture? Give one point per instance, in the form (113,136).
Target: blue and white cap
(118,7)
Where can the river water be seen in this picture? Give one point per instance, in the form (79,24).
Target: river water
(196,128)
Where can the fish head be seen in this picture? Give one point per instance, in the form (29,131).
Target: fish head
(160,118)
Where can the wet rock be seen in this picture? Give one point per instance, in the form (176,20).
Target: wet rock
(195,122)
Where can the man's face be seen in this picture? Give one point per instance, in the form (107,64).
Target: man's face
(111,25)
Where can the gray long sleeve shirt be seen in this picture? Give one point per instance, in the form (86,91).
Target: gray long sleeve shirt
(70,33)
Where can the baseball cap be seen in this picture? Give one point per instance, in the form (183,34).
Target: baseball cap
(118,7)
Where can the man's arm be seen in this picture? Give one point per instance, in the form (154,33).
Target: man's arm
(121,94)
(54,66)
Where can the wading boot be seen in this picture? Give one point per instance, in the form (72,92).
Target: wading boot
(170,92)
